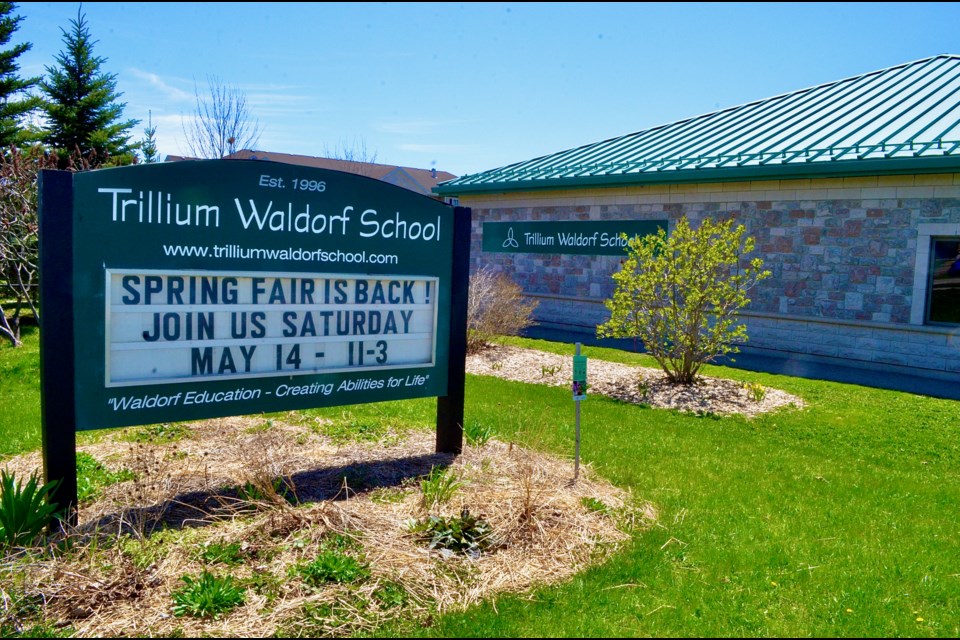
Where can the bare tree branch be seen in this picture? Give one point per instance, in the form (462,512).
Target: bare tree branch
(222,122)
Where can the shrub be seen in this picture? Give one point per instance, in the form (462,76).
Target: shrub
(680,295)
(25,509)
(495,307)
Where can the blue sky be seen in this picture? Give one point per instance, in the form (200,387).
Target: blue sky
(469,87)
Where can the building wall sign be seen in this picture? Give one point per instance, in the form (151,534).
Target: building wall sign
(597,238)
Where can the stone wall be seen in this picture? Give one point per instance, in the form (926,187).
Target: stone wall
(848,257)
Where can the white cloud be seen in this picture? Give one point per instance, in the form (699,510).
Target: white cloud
(155,81)
(434,148)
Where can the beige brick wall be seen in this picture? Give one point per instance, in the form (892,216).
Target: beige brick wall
(844,252)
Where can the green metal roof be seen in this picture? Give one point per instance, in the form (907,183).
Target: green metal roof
(902,119)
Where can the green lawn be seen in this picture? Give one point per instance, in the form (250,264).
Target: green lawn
(842,519)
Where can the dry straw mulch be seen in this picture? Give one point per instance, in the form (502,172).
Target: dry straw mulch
(637,385)
(118,581)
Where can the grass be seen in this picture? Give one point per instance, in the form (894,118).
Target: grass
(836,520)
(20,390)
(832,521)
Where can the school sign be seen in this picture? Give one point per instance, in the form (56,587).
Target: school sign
(190,290)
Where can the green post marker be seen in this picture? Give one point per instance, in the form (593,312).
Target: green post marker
(579,393)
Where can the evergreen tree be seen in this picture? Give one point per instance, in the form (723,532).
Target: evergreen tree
(148,146)
(15,102)
(82,105)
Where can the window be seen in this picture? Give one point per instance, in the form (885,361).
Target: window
(944,302)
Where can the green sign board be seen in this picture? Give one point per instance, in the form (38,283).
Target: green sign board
(214,288)
(579,377)
(598,238)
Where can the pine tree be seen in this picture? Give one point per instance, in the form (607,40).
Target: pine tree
(15,101)
(148,146)
(82,105)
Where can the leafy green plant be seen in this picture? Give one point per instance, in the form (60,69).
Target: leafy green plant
(339,542)
(592,504)
(93,476)
(25,509)
(465,533)
(439,486)
(207,596)
(332,566)
(477,433)
(680,294)
(391,594)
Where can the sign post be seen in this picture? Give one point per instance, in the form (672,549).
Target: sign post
(579,393)
(200,289)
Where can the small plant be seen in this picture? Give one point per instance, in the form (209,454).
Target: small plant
(207,596)
(220,553)
(276,491)
(548,370)
(332,566)
(93,476)
(477,434)
(25,509)
(388,495)
(756,391)
(465,533)
(497,366)
(159,433)
(643,388)
(391,594)
(439,486)
(594,505)
(340,542)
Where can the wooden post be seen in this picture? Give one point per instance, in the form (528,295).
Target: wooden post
(450,407)
(57,388)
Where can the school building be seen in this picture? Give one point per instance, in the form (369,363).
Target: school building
(851,190)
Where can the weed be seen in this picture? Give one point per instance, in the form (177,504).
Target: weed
(25,509)
(93,476)
(339,542)
(388,495)
(592,504)
(465,533)
(497,366)
(275,491)
(438,487)
(332,566)
(477,433)
(756,391)
(643,388)
(221,553)
(266,425)
(265,584)
(207,596)
(159,433)
(391,594)
(549,370)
